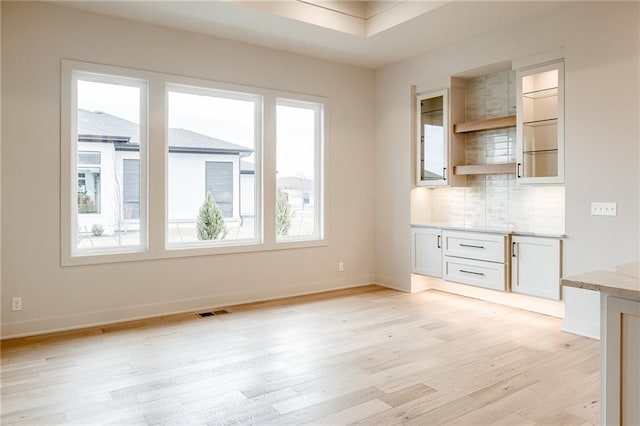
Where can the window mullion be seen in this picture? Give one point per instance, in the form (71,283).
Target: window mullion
(157,167)
(269,171)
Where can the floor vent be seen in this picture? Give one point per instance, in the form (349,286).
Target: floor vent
(210,314)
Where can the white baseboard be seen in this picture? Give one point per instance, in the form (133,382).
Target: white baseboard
(390,283)
(199,304)
(581,327)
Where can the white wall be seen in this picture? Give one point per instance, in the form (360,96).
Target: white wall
(187,184)
(601,46)
(247,198)
(35,36)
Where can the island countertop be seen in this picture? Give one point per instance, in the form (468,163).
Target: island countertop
(616,283)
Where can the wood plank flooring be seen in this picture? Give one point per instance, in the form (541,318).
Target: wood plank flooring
(368,356)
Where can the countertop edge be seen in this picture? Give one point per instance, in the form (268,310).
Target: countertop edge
(606,282)
(490,230)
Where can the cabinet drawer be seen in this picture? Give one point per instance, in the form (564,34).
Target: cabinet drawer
(475,272)
(474,245)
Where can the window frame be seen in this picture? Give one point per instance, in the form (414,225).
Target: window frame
(72,72)
(318,164)
(154,168)
(199,87)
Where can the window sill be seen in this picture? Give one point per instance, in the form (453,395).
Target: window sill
(187,251)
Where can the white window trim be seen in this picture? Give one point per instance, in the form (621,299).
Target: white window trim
(209,88)
(318,164)
(71,73)
(156,164)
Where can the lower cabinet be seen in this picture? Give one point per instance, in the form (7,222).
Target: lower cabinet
(620,340)
(426,251)
(475,258)
(531,266)
(535,266)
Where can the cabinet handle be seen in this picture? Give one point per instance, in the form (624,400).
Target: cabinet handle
(471,272)
(470,245)
(513,249)
(518,170)
(439,241)
(444,173)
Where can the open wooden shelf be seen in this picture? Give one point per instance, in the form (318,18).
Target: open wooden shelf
(485,169)
(487,124)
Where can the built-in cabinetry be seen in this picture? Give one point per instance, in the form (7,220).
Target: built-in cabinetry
(433,137)
(475,258)
(426,251)
(536,266)
(529,265)
(438,148)
(540,124)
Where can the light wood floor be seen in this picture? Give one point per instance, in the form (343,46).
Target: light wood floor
(366,356)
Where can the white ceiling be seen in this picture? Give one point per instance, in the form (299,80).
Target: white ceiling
(372,34)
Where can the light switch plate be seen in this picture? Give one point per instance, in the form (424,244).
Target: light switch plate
(604,209)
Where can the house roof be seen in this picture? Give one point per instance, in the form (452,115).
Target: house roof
(97,126)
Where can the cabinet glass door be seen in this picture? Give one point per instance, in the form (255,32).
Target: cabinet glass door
(432,133)
(540,125)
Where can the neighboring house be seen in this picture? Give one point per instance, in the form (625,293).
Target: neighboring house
(109,174)
(299,191)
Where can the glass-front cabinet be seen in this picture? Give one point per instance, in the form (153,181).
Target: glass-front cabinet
(433,132)
(540,124)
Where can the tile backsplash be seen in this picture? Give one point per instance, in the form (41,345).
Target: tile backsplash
(496,201)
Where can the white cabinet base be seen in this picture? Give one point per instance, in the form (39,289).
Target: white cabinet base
(620,340)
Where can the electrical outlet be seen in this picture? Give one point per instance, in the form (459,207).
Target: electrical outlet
(604,209)
(340,266)
(16,304)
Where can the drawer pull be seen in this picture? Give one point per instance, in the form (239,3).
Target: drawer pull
(470,245)
(471,272)
(439,241)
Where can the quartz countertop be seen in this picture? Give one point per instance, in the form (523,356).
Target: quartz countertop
(622,283)
(504,231)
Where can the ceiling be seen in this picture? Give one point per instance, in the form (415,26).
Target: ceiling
(370,34)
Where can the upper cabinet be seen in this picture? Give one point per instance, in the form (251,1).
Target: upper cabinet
(433,138)
(540,124)
(438,147)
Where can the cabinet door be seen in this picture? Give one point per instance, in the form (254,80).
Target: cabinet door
(540,124)
(426,252)
(535,266)
(433,133)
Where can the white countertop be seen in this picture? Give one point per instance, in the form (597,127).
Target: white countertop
(623,283)
(504,231)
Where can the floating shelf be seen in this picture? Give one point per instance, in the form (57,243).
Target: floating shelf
(487,124)
(485,169)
